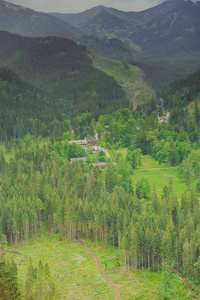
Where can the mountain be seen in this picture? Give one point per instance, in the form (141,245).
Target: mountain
(173,20)
(167,34)
(108,47)
(64,70)
(27,22)
(163,40)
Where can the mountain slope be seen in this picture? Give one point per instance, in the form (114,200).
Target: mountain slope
(167,34)
(27,22)
(167,19)
(63,69)
(164,38)
(131,78)
(107,47)
(24,108)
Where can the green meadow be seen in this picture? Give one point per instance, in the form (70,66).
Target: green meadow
(160,178)
(76,275)
(158,175)
(147,162)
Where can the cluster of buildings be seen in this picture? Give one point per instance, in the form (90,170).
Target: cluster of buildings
(89,141)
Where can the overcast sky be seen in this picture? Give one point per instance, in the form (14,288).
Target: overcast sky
(72,6)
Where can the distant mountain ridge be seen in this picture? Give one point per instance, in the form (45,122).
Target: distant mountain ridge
(167,33)
(27,22)
(165,37)
(175,19)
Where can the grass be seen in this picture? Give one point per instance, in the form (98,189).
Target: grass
(114,153)
(130,77)
(134,46)
(149,163)
(161,178)
(157,175)
(77,277)
(74,271)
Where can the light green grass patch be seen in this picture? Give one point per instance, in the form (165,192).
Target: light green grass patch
(75,273)
(114,153)
(94,157)
(161,178)
(149,163)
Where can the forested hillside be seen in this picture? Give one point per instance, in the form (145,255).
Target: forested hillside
(63,69)
(180,98)
(163,40)
(26,109)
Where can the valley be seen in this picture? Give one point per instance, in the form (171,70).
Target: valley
(100,153)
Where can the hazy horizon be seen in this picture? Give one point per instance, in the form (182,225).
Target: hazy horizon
(75,6)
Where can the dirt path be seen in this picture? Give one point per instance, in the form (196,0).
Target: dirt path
(117,296)
(192,289)
(108,155)
(133,100)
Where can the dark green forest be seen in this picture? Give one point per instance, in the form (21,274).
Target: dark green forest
(64,70)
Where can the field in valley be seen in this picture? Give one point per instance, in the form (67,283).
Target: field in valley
(158,175)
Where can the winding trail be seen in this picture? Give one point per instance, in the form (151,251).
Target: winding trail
(117,296)
(192,289)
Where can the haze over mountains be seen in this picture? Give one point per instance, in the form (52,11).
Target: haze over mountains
(165,36)
(27,22)
(168,32)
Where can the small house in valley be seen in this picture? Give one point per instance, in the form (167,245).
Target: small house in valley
(89,140)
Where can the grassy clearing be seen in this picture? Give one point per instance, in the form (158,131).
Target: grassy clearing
(76,275)
(122,151)
(138,284)
(149,163)
(160,178)
(130,77)
(134,46)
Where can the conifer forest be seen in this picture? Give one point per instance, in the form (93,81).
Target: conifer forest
(114,220)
